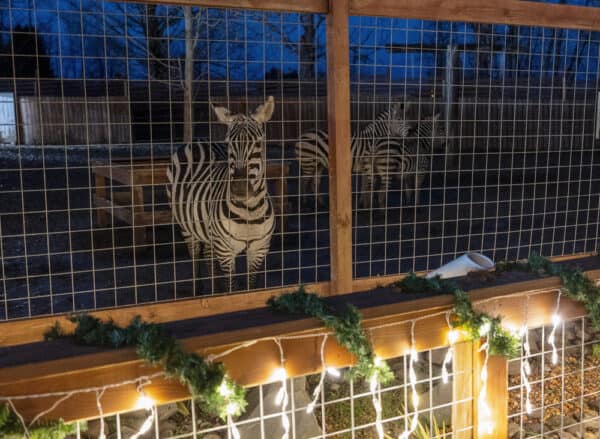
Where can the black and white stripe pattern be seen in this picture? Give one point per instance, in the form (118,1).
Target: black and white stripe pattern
(407,159)
(312,150)
(221,206)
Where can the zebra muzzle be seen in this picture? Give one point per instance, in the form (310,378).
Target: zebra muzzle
(240,187)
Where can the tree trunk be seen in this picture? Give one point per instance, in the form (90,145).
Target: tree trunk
(188,77)
(307,53)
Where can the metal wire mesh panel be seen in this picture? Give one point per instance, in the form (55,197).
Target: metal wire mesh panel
(564,395)
(344,409)
(489,143)
(97,99)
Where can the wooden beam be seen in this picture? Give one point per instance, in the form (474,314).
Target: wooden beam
(24,331)
(340,157)
(18,332)
(515,12)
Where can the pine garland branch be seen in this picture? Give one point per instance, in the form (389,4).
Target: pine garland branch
(345,325)
(155,346)
(11,427)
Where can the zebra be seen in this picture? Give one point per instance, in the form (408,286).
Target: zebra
(312,150)
(222,206)
(407,159)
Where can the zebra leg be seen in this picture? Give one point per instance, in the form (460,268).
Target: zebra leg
(383,192)
(255,255)
(194,251)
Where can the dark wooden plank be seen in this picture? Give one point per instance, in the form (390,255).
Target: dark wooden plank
(515,12)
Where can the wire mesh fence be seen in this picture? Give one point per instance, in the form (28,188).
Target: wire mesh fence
(465,137)
(564,394)
(96,100)
(499,154)
(344,409)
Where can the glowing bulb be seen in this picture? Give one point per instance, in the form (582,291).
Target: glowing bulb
(144,402)
(453,336)
(310,407)
(279,374)
(484,329)
(333,372)
(224,390)
(232,408)
(556,319)
(378,361)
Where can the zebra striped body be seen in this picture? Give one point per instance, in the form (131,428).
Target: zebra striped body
(406,159)
(223,206)
(312,150)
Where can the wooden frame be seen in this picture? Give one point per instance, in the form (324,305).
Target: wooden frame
(303,356)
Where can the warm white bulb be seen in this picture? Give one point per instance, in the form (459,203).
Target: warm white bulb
(224,390)
(280,396)
(453,336)
(378,361)
(333,372)
(485,328)
(310,407)
(279,374)
(144,402)
(556,319)
(232,408)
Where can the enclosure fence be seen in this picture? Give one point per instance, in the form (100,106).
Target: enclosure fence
(377,138)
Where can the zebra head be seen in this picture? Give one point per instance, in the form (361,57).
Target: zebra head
(430,132)
(245,140)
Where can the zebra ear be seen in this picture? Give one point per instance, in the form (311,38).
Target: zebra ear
(223,114)
(264,112)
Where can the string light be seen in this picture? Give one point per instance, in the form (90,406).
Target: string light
(375,390)
(324,371)
(281,399)
(452,338)
(147,403)
(525,366)
(412,378)
(485,425)
(555,323)
(226,391)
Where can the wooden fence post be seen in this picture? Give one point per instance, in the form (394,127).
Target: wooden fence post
(497,396)
(462,390)
(340,159)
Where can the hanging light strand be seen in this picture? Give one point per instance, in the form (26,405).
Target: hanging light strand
(375,389)
(282,399)
(324,371)
(412,378)
(452,338)
(145,402)
(525,365)
(485,425)
(556,320)
(226,391)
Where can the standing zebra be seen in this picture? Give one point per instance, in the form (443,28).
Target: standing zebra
(223,207)
(407,159)
(312,150)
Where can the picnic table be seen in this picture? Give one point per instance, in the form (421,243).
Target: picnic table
(120,185)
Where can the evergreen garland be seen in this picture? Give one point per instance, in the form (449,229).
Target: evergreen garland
(155,346)
(11,427)
(575,284)
(501,341)
(345,325)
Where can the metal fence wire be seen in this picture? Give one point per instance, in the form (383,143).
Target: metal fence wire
(465,137)
(344,409)
(564,395)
